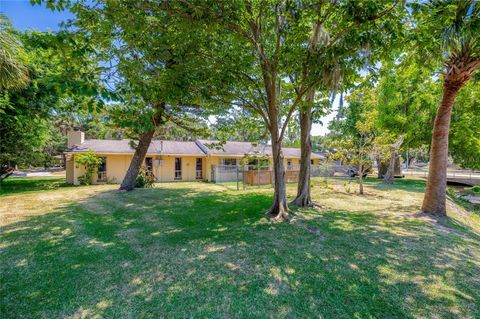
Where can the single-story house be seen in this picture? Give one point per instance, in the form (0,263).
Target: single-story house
(171,161)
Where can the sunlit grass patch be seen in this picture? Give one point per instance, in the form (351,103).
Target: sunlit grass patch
(201,250)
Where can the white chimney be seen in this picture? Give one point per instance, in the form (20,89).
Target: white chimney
(75,137)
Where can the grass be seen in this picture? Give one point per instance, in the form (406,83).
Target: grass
(204,251)
(21,185)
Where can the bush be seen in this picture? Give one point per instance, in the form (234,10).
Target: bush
(91,163)
(145,179)
(475,189)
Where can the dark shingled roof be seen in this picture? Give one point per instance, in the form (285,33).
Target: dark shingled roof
(197,148)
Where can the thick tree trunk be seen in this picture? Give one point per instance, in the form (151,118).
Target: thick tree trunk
(130,178)
(304,198)
(279,209)
(434,201)
(407,161)
(397,169)
(394,163)
(144,141)
(382,168)
(390,174)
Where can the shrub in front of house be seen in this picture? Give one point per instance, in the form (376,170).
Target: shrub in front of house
(91,163)
(145,179)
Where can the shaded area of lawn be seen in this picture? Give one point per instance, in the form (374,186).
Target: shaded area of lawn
(195,250)
(15,185)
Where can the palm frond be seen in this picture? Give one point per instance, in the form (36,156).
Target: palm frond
(13,72)
(461,37)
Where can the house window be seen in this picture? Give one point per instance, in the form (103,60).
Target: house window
(149,165)
(102,170)
(178,168)
(229,161)
(228,164)
(199,168)
(289,163)
(311,162)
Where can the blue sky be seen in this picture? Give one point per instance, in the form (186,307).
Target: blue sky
(24,16)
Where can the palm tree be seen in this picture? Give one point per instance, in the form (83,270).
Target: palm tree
(461,52)
(13,72)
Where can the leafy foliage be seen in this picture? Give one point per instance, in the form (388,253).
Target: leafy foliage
(62,80)
(90,162)
(145,179)
(407,101)
(465,128)
(151,64)
(13,70)
(355,135)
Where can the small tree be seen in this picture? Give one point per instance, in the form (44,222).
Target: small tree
(91,163)
(358,150)
(356,134)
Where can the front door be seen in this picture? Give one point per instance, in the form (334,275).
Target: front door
(199,168)
(178,168)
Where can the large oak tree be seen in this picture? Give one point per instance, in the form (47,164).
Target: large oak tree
(151,62)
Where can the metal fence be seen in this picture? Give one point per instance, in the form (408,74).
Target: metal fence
(460,174)
(254,176)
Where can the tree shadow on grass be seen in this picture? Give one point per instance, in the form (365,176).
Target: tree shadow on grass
(182,252)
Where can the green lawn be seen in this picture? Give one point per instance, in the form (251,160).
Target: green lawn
(201,250)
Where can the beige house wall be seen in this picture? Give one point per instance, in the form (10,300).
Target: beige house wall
(163,167)
(165,172)
(117,166)
(69,169)
(78,170)
(296,161)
